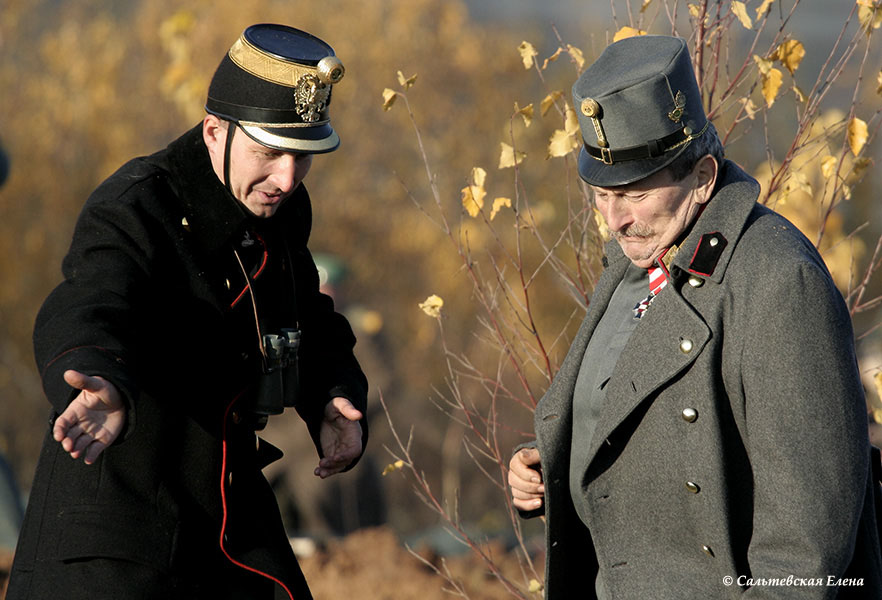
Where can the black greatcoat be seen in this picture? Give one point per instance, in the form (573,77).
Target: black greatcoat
(155,301)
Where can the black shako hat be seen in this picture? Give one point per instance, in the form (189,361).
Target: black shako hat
(275,84)
(639,106)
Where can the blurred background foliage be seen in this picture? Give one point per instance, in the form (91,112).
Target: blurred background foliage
(88,84)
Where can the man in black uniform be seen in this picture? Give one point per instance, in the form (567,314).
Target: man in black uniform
(189,313)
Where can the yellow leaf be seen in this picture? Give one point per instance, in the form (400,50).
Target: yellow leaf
(571,121)
(577,55)
(406,83)
(879,83)
(763,64)
(498,203)
(791,53)
(750,108)
(626,32)
(602,227)
(549,101)
(799,181)
(877,413)
(389,97)
(526,113)
(473,194)
(551,58)
(877,379)
(741,12)
(509,157)
(527,53)
(393,467)
(869,16)
(694,11)
(432,306)
(763,8)
(858,169)
(179,23)
(535,586)
(645,5)
(563,141)
(857,135)
(828,166)
(800,95)
(771,85)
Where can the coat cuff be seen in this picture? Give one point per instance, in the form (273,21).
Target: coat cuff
(93,361)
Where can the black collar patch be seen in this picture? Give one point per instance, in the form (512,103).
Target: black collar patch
(707,254)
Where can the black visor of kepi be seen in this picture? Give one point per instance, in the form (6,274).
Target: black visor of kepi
(275,84)
(639,107)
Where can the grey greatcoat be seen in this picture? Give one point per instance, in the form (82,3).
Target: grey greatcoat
(732,441)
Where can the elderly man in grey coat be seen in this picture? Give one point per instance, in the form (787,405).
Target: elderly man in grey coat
(706,435)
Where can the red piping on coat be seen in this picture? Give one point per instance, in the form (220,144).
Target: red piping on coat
(256,275)
(52,362)
(224,503)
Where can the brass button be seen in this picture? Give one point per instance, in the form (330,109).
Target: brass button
(590,107)
(685,346)
(692,487)
(696,282)
(230,478)
(236,418)
(713,241)
(185,224)
(227,283)
(689,415)
(707,550)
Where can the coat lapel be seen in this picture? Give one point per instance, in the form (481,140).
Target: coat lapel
(668,339)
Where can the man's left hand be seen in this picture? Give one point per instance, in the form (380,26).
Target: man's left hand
(340,437)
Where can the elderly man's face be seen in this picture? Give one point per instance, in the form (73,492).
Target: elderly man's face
(260,178)
(647,216)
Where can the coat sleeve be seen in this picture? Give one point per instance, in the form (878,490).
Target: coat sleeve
(87,321)
(328,365)
(804,419)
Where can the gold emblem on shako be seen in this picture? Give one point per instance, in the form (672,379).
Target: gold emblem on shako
(679,107)
(311,97)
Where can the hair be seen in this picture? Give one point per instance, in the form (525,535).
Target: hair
(707,143)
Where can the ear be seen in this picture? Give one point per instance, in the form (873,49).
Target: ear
(214,134)
(705,171)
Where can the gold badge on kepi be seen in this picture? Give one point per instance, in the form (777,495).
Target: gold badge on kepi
(679,103)
(311,97)
(590,108)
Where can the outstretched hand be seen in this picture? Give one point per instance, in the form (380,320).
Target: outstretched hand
(93,420)
(340,437)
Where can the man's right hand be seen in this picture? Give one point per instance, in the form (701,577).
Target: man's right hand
(93,420)
(525,479)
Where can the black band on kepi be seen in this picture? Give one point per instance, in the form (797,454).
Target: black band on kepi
(651,149)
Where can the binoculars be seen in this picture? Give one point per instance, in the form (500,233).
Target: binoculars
(279,382)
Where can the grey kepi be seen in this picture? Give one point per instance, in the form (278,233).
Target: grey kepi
(638,106)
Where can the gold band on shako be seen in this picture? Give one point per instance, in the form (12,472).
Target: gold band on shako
(270,68)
